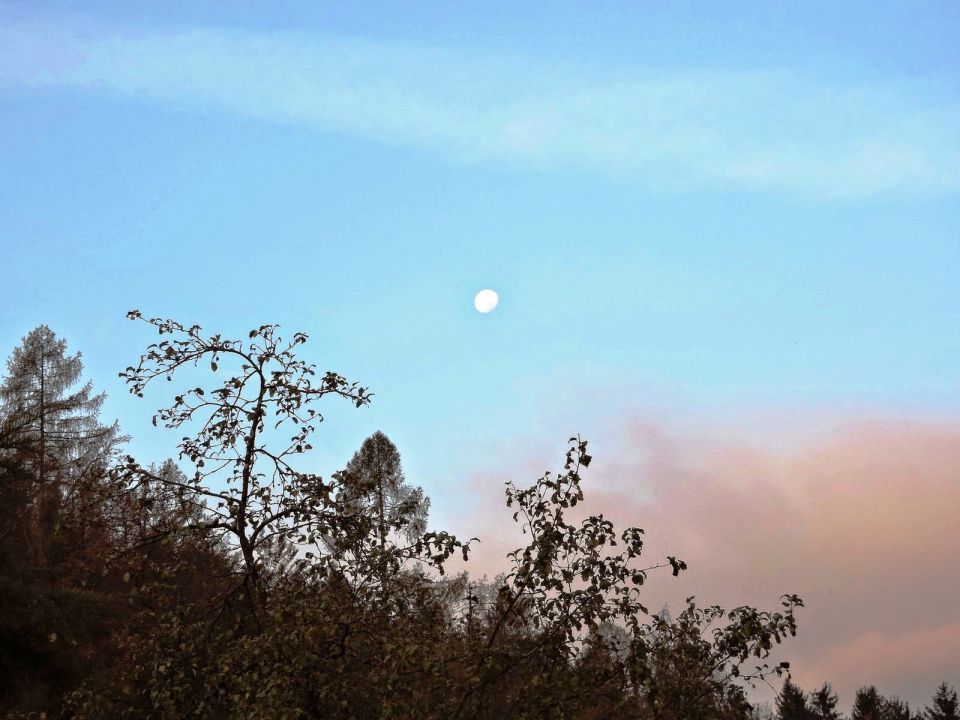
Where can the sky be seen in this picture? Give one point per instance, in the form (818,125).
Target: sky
(726,239)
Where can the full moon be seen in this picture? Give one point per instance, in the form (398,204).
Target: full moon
(485,301)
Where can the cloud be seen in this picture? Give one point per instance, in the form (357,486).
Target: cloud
(911,661)
(860,521)
(676,128)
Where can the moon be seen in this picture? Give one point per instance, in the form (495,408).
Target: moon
(485,301)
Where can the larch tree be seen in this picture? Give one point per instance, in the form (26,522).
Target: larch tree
(51,423)
(55,532)
(44,415)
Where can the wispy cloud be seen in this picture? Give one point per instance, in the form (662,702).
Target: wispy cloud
(686,129)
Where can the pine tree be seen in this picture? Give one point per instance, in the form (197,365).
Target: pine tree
(867,705)
(823,703)
(792,703)
(945,704)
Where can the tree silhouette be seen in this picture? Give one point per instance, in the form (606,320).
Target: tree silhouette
(823,703)
(373,490)
(52,425)
(571,579)
(374,484)
(896,709)
(867,704)
(792,703)
(55,525)
(944,705)
(252,493)
(246,587)
(55,431)
(58,428)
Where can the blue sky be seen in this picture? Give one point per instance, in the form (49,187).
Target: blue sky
(704,210)
(721,204)
(726,206)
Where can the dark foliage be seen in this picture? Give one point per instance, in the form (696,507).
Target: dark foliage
(229,583)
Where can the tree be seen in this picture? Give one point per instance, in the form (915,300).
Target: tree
(792,703)
(54,430)
(382,507)
(896,709)
(54,532)
(291,639)
(945,704)
(823,703)
(567,583)
(374,488)
(248,488)
(57,428)
(246,587)
(867,704)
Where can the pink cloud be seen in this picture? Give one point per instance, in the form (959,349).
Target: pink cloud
(908,664)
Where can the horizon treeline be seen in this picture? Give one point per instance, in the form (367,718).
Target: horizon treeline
(226,582)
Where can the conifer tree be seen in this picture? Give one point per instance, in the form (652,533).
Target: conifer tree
(823,703)
(896,709)
(945,704)
(868,704)
(376,484)
(792,703)
(54,531)
(54,424)
(53,428)
(375,491)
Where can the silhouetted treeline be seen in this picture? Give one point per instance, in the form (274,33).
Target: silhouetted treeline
(868,704)
(229,583)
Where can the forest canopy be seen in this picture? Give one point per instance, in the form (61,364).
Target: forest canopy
(228,582)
